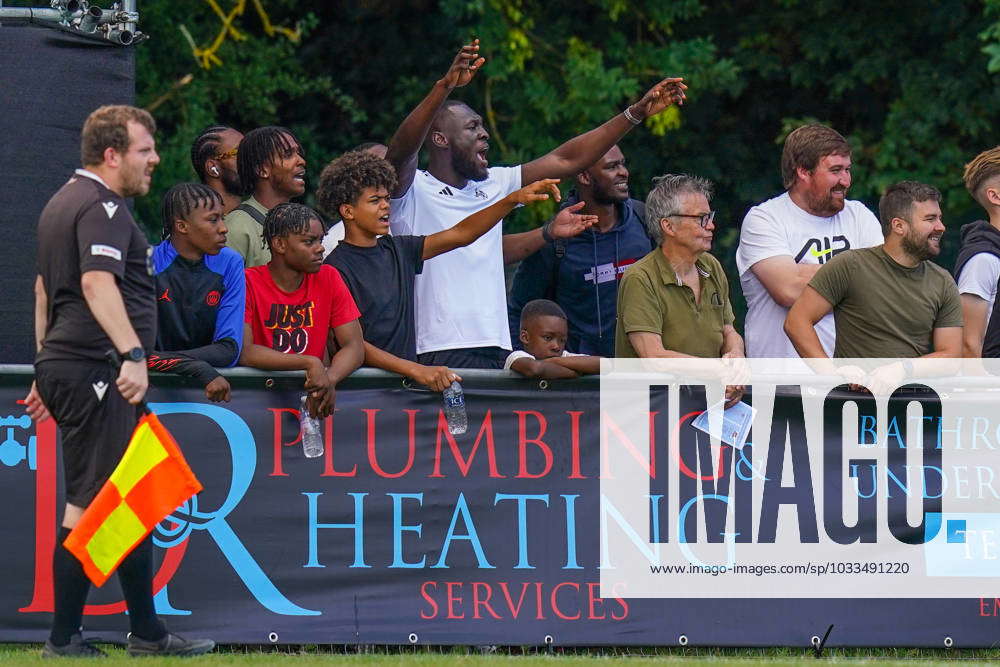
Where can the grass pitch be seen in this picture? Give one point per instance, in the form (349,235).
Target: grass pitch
(27,654)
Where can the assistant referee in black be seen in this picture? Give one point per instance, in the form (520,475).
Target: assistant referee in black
(95,293)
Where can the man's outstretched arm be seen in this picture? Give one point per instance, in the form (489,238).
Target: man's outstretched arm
(201,363)
(409,137)
(480,222)
(580,152)
(566,224)
(437,378)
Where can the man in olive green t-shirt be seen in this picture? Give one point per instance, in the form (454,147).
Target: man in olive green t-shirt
(674,302)
(888,301)
(272,169)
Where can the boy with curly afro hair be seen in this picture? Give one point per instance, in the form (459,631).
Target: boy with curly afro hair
(380,269)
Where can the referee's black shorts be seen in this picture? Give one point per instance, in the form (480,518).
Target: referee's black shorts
(95,422)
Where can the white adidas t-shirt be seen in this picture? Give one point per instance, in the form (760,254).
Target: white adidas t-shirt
(460,296)
(779,227)
(979,276)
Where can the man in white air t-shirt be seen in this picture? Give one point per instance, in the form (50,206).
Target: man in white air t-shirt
(977,267)
(461,302)
(785,240)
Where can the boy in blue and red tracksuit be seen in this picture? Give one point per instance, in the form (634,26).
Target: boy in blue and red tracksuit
(200,291)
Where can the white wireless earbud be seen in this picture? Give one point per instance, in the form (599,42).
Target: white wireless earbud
(215,171)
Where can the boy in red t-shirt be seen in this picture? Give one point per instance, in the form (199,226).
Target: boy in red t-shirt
(294,302)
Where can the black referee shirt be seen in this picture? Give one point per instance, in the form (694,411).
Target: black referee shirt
(87,227)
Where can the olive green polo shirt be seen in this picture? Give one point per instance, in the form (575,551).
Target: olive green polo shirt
(651,298)
(246,235)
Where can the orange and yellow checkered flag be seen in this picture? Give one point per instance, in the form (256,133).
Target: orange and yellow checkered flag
(150,482)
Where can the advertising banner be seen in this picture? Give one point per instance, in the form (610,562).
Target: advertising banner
(548,522)
(884,489)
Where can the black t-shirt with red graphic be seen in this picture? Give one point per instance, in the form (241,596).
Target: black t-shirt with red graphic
(88,227)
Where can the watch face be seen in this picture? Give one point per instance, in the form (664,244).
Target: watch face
(136,354)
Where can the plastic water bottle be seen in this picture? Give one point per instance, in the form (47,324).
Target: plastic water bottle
(312,433)
(454,409)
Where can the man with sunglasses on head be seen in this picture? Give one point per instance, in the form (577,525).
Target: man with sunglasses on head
(213,156)
(674,302)
(785,240)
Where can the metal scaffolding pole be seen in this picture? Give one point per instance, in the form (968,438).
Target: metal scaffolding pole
(117,25)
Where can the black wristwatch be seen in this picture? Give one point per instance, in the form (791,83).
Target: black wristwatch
(135,354)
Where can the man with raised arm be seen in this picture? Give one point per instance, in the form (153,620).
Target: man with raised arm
(460,296)
(785,240)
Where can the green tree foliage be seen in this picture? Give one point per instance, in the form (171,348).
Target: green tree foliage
(258,80)
(911,84)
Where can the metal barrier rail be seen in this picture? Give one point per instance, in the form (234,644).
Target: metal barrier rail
(359,378)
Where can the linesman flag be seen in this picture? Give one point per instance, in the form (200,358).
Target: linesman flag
(150,482)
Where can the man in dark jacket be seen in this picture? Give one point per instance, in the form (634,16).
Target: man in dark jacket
(581,274)
(977,267)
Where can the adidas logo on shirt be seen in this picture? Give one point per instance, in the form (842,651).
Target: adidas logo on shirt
(446,191)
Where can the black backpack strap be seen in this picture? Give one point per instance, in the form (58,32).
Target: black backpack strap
(252,212)
(640,209)
(559,248)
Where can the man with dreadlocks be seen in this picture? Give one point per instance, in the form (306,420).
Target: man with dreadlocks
(200,291)
(294,304)
(213,156)
(272,170)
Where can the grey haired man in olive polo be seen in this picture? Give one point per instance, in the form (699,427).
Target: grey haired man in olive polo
(674,302)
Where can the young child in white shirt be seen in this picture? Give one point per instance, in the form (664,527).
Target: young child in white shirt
(543,334)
